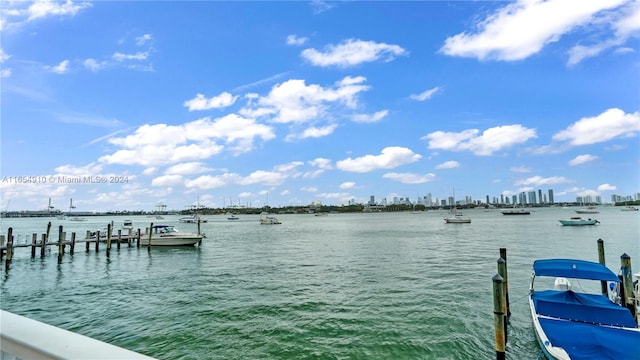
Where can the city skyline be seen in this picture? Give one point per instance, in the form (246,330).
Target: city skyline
(206,103)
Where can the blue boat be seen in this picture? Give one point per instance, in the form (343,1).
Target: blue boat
(580,325)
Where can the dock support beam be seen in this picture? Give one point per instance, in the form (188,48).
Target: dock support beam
(629,300)
(601,259)
(498,317)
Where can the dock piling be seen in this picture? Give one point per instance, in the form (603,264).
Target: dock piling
(498,317)
(628,300)
(73,242)
(34,243)
(505,278)
(601,259)
(150,232)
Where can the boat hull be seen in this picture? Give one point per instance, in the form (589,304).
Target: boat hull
(578,222)
(158,240)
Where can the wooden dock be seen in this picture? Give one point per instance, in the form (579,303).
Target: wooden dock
(43,242)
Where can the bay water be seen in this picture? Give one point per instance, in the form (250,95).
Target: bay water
(343,286)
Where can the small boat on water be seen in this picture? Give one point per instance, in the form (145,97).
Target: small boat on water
(588,210)
(266,219)
(231,216)
(192,219)
(580,325)
(168,235)
(629,208)
(457,218)
(514,211)
(578,221)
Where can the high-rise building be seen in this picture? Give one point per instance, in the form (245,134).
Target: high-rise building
(551,196)
(540,196)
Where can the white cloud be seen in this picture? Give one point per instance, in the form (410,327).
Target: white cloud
(347,185)
(61,68)
(313,132)
(582,159)
(520,169)
(370,118)
(611,124)
(217,102)
(162,144)
(521,29)
(94,65)
(448,165)
(143,39)
(410,178)
(118,56)
(607,187)
(3,56)
(491,140)
(44,8)
(168,180)
(321,163)
(540,181)
(353,52)
(389,158)
(425,95)
(187,168)
(625,24)
(296,40)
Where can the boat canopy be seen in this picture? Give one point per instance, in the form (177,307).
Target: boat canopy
(574,269)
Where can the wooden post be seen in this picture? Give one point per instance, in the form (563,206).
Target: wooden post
(108,239)
(198,225)
(138,238)
(34,243)
(97,240)
(1,244)
(150,232)
(502,269)
(43,245)
(129,237)
(498,317)
(601,259)
(119,238)
(73,242)
(9,248)
(87,240)
(48,231)
(505,277)
(629,300)
(60,241)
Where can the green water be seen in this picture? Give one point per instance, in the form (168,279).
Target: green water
(343,286)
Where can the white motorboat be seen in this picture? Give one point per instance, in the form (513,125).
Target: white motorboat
(588,210)
(192,219)
(629,208)
(457,218)
(266,219)
(231,216)
(578,221)
(168,235)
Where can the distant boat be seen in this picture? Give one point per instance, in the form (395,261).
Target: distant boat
(74,218)
(266,219)
(629,208)
(457,218)
(231,216)
(514,211)
(572,324)
(192,219)
(588,210)
(168,235)
(578,221)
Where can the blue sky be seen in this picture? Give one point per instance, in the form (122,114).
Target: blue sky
(292,102)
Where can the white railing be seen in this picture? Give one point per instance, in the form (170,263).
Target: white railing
(24,338)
